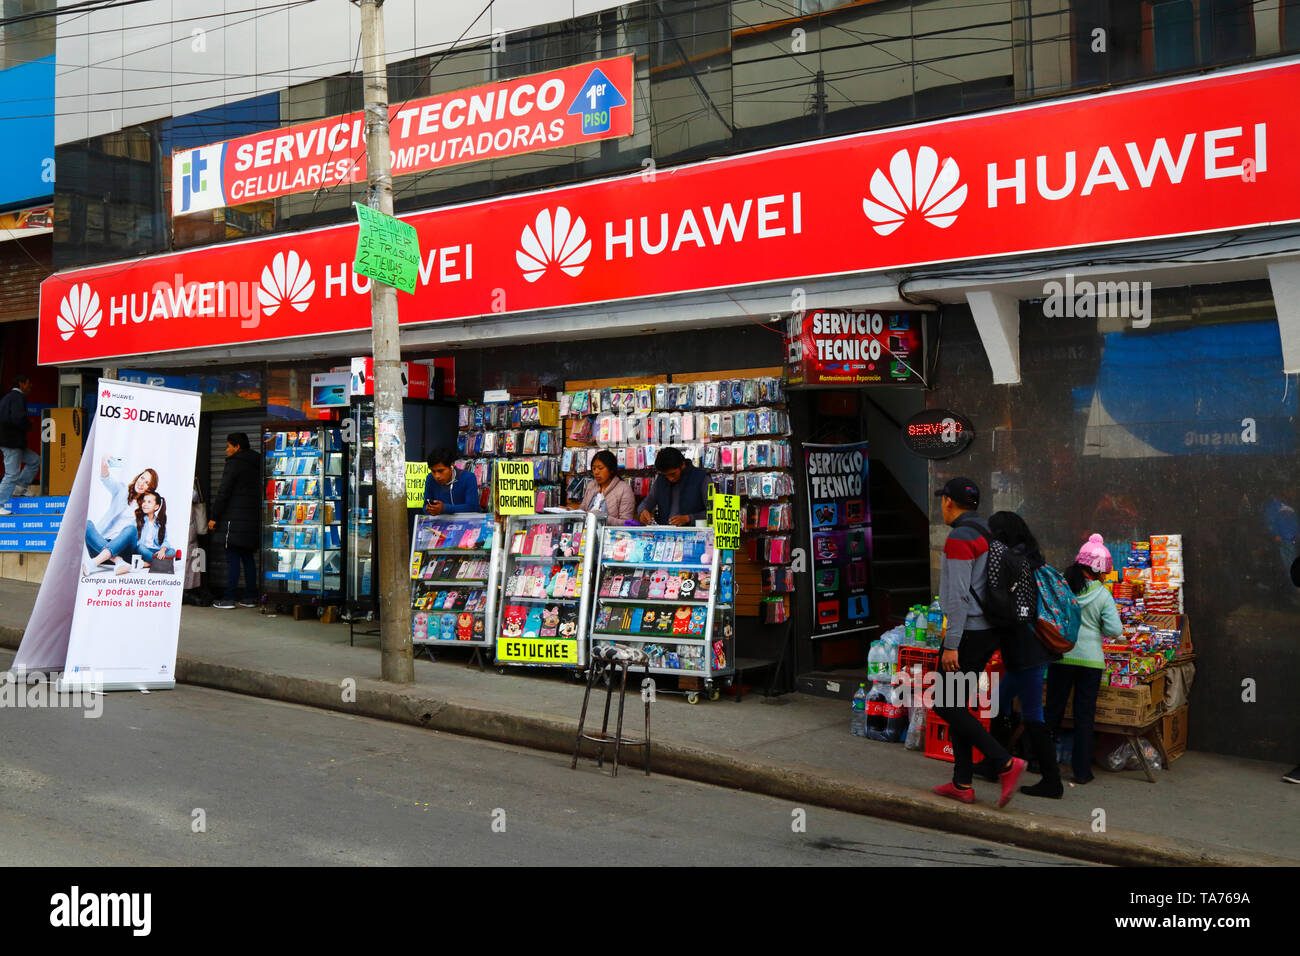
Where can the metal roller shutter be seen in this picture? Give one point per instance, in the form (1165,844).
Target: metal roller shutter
(223,423)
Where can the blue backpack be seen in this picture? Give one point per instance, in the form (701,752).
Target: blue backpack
(1057,627)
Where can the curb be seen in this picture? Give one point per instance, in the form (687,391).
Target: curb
(801,784)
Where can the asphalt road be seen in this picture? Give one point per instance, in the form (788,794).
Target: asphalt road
(201,777)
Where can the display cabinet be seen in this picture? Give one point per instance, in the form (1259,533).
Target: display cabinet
(454,562)
(669,592)
(545,589)
(302,544)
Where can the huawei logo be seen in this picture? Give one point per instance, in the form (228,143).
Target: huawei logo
(926,190)
(286,280)
(79,310)
(553,242)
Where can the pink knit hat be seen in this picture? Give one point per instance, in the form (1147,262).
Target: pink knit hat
(1094,555)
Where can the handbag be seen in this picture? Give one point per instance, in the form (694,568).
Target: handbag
(198,510)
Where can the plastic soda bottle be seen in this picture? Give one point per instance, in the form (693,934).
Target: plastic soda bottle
(858,722)
(934,623)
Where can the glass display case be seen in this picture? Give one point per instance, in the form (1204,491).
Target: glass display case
(454,561)
(669,592)
(545,589)
(362,597)
(302,544)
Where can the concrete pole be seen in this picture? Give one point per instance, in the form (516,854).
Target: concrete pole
(396,662)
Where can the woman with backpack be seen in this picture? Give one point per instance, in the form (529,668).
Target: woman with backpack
(1025,657)
(1081,667)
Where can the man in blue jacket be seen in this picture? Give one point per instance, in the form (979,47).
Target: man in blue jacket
(448,490)
(679,496)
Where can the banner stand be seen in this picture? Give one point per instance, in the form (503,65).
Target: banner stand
(107,614)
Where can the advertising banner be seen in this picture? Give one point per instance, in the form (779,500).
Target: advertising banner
(123,541)
(1216,153)
(840,522)
(856,348)
(577,104)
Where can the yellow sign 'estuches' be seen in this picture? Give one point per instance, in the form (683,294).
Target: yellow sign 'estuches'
(535,651)
(416,473)
(725,519)
(514,487)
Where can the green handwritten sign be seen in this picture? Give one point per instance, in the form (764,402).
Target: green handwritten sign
(388,249)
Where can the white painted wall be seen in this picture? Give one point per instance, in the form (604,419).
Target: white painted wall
(128,65)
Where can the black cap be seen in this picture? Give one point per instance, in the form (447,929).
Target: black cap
(962,491)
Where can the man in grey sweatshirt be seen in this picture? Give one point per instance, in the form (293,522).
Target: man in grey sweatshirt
(969,641)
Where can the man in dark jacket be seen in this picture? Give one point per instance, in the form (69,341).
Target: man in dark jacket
(679,496)
(21,463)
(969,641)
(235,517)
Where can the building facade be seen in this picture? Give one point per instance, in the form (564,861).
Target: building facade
(1105,248)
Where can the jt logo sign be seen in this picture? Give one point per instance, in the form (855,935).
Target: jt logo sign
(197,179)
(192,181)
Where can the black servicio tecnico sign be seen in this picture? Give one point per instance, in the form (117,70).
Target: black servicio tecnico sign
(938,433)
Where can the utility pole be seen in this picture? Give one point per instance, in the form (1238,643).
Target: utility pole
(396,662)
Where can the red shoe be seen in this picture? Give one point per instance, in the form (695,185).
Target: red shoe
(1010,778)
(951,790)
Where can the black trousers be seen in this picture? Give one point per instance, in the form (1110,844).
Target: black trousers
(967,732)
(1086,682)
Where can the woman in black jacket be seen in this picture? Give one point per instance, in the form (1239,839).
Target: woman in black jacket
(235,518)
(1026,660)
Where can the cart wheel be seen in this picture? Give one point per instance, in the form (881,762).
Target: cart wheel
(693,697)
(501,671)
(714,693)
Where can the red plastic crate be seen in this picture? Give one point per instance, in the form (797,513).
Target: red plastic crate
(937,742)
(927,657)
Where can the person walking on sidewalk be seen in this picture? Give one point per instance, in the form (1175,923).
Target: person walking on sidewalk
(1026,660)
(1081,668)
(236,519)
(969,642)
(21,463)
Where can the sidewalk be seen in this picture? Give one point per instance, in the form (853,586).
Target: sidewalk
(1207,810)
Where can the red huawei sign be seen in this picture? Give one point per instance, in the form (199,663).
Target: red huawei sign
(1204,155)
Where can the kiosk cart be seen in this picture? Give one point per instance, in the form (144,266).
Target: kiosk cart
(454,565)
(545,589)
(669,592)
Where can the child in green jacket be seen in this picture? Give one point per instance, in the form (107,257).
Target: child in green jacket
(1081,669)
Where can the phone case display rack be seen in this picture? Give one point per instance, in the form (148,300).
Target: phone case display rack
(302,543)
(545,591)
(668,591)
(362,599)
(454,563)
(515,430)
(735,425)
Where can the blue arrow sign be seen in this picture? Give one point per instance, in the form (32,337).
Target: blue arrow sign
(595,101)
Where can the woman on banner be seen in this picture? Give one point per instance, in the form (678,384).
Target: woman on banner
(115,534)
